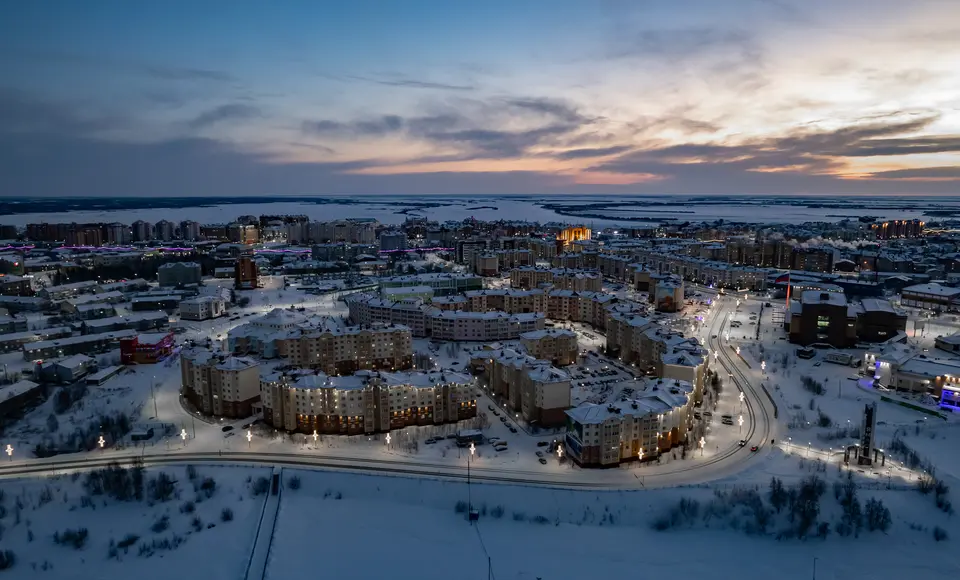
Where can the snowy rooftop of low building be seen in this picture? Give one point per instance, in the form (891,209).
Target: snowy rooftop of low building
(553,332)
(408,290)
(151,337)
(950,338)
(73,340)
(237,363)
(932,289)
(820,297)
(17,388)
(929,367)
(878,305)
(548,374)
(668,396)
(32,334)
(93,298)
(74,361)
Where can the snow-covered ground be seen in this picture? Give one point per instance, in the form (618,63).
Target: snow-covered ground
(212,548)
(378,526)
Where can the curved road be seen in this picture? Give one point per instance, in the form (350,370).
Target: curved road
(727,462)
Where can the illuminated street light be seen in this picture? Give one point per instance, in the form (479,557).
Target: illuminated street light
(640,454)
(559,451)
(740,420)
(742,397)
(183,435)
(315,437)
(249,438)
(726,336)
(473,448)
(9,451)
(715,355)
(703,441)
(101,441)
(738,351)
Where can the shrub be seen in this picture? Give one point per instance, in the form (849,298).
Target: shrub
(519,516)
(461,507)
(191,472)
(188,508)
(226,515)
(497,512)
(75,538)
(260,486)
(197,523)
(940,534)
(208,487)
(160,525)
(127,541)
(161,487)
(7,559)
(877,515)
(294,482)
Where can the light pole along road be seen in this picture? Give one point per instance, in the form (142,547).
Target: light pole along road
(724,463)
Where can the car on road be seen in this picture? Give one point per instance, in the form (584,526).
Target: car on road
(708,413)
(430,441)
(697,416)
(743,443)
(754,448)
(496,413)
(539,453)
(542,461)
(503,420)
(490,407)
(493,440)
(512,429)
(227,428)
(542,443)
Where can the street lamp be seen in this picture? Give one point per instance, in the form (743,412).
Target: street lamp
(716,354)
(249,438)
(726,336)
(763,365)
(559,451)
(101,441)
(740,420)
(9,451)
(738,351)
(703,441)
(183,435)
(640,454)
(315,437)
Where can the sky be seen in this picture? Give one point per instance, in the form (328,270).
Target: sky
(226,98)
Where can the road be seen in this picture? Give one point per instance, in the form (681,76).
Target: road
(725,462)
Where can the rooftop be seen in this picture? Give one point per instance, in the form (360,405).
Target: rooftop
(820,297)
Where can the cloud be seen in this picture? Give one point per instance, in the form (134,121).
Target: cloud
(910,146)
(811,152)
(399,81)
(683,43)
(550,107)
(589,152)
(932,173)
(234,111)
(115,64)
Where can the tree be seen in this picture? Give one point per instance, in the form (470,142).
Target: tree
(877,515)
(778,497)
(52,424)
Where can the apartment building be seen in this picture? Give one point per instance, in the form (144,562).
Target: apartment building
(179,274)
(365,402)
(323,343)
(561,278)
(536,389)
(443,284)
(587,307)
(219,384)
(559,346)
(442,323)
(654,421)
(508,300)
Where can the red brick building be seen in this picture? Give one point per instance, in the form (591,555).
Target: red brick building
(146,348)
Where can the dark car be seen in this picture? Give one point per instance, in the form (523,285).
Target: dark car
(227,428)
(743,442)
(542,443)
(542,460)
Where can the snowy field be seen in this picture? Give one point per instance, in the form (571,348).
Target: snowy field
(196,540)
(378,526)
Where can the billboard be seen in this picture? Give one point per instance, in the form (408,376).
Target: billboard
(665,297)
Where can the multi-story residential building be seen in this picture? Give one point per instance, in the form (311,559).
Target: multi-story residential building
(189,230)
(559,346)
(341,251)
(323,343)
(562,279)
(86,344)
(11,285)
(482,326)
(365,402)
(179,274)
(246,234)
(443,284)
(641,429)
(64,291)
(202,308)
(164,230)
(392,241)
(587,307)
(219,384)
(539,391)
(354,231)
(141,231)
(508,300)
(246,274)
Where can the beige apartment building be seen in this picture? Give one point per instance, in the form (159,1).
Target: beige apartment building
(587,307)
(508,300)
(219,384)
(561,279)
(534,388)
(653,422)
(556,345)
(366,402)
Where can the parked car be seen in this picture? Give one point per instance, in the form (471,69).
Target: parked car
(542,443)
(539,453)
(542,460)
(513,429)
(227,428)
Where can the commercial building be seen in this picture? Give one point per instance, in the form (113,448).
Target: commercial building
(11,285)
(147,348)
(424,293)
(219,384)
(15,323)
(86,344)
(667,294)
(65,370)
(64,291)
(822,317)
(202,308)
(653,422)
(539,391)
(931,297)
(179,274)
(167,302)
(878,320)
(366,402)
(559,346)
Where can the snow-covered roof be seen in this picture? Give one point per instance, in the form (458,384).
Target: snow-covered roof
(151,337)
(669,395)
(931,367)
(820,297)
(17,388)
(72,362)
(237,363)
(552,332)
(932,289)
(877,305)
(74,340)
